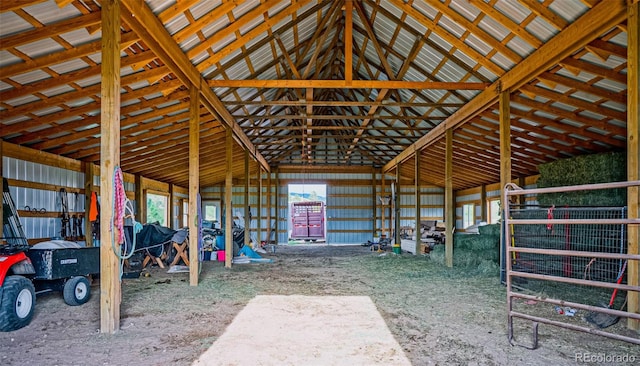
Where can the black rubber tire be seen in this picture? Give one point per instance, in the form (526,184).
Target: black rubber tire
(77,291)
(17,303)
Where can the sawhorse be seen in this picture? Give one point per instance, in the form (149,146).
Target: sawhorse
(181,252)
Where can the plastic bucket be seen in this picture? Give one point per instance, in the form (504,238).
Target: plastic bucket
(396,249)
(220,241)
(220,255)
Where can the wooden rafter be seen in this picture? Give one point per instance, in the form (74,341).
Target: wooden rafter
(342,84)
(144,22)
(593,23)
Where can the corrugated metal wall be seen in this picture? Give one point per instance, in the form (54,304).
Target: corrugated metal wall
(350,201)
(41,200)
(349,214)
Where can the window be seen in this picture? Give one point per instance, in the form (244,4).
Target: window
(468,215)
(157,208)
(211,211)
(185,213)
(494,211)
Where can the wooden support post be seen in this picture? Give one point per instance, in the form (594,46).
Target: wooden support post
(228,196)
(110,290)
(269,195)
(633,152)
(88,191)
(140,201)
(449,204)
(247,209)
(277,204)
(172,210)
(194,182)
(396,208)
(374,199)
(505,155)
(484,214)
(259,208)
(383,208)
(348,41)
(522,199)
(418,204)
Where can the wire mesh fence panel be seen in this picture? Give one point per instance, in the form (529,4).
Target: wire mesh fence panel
(567,266)
(600,238)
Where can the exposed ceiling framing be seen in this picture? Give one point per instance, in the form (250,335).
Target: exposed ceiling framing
(321,83)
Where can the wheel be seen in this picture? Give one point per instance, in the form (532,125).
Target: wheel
(17,303)
(76,291)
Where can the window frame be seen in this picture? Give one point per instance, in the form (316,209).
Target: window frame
(465,215)
(490,213)
(166,195)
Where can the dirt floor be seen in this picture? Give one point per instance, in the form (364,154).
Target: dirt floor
(439,316)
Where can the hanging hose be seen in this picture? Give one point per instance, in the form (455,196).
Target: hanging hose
(122,209)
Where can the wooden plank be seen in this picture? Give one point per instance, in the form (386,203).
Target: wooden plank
(269,195)
(49,31)
(42,186)
(515,28)
(505,140)
(40,157)
(11,5)
(396,208)
(547,14)
(264,25)
(505,149)
(203,21)
(259,209)
(144,22)
(247,213)
(417,199)
(277,204)
(230,29)
(633,153)
(374,200)
(348,41)
(338,103)
(586,28)
(228,186)
(58,57)
(70,77)
(483,203)
(449,203)
(473,28)
(110,289)
(342,84)
(194,182)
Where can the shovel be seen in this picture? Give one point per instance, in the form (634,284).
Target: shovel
(602,320)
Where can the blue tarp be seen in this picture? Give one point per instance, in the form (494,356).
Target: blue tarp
(252,255)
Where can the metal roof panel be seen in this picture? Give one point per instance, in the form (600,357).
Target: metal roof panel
(69,66)
(568,10)
(49,12)
(11,23)
(204,7)
(41,47)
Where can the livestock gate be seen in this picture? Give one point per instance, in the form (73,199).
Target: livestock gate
(560,261)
